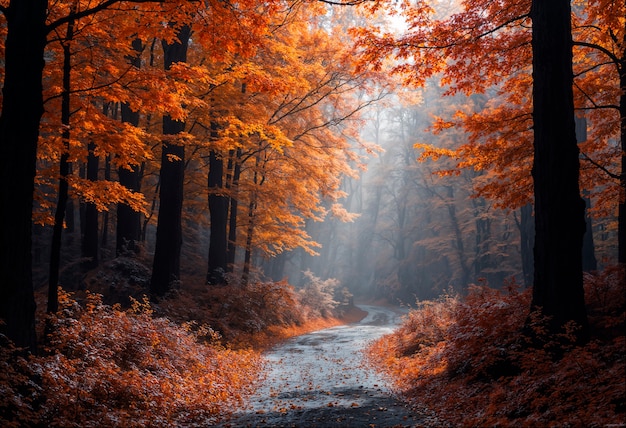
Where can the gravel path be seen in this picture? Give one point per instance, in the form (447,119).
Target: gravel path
(319,380)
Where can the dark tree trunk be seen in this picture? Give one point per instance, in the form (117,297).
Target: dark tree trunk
(460,247)
(70,217)
(89,248)
(559,209)
(128,232)
(218,208)
(22,108)
(590,263)
(64,170)
(105,216)
(247,258)
(234,207)
(621,215)
(526,227)
(589,255)
(166,264)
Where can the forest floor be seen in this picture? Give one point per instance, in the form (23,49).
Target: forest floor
(321,379)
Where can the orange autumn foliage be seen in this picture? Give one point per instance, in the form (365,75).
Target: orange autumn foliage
(481,49)
(466,360)
(111,367)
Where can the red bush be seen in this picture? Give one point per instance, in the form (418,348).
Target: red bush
(109,367)
(467,361)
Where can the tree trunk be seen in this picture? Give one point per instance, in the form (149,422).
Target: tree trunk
(526,227)
(128,232)
(166,264)
(218,208)
(234,207)
(621,212)
(104,240)
(64,170)
(590,263)
(22,108)
(559,209)
(89,248)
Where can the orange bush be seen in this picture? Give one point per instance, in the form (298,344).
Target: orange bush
(109,367)
(466,360)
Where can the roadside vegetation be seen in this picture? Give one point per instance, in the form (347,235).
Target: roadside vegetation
(467,360)
(190,359)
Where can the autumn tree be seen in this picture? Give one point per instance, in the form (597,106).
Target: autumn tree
(166,264)
(22,107)
(128,232)
(559,209)
(485,47)
(27,31)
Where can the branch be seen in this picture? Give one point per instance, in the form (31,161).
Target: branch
(602,168)
(91,11)
(594,104)
(602,49)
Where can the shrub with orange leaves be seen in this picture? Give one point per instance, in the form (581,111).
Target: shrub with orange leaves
(111,367)
(467,360)
(18,391)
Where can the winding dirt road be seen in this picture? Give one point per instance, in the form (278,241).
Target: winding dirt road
(319,380)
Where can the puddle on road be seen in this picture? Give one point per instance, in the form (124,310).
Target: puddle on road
(319,379)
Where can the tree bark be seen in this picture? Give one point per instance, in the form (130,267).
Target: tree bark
(621,212)
(234,208)
(526,227)
(559,208)
(166,264)
(218,208)
(22,108)
(89,247)
(64,171)
(128,232)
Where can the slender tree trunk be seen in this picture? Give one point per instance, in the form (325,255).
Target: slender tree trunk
(458,239)
(22,108)
(250,229)
(70,217)
(590,263)
(559,208)
(589,255)
(621,214)
(526,227)
(128,220)
(104,241)
(64,170)
(169,236)
(218,208)
(234,207)
(245,277)
(89,248)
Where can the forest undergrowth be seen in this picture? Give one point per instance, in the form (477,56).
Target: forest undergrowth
(468,360)
(188,360)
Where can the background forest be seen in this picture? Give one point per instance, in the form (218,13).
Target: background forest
(253,167)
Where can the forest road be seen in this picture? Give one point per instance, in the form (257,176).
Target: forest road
(320,380)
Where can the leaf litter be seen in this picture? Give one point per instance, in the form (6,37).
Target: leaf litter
(321,379)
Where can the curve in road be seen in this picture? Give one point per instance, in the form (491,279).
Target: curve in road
(319,380)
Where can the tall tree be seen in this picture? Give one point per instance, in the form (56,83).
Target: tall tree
(128,232)
(559,208)
(166,264)
(64,170)
(22,108)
